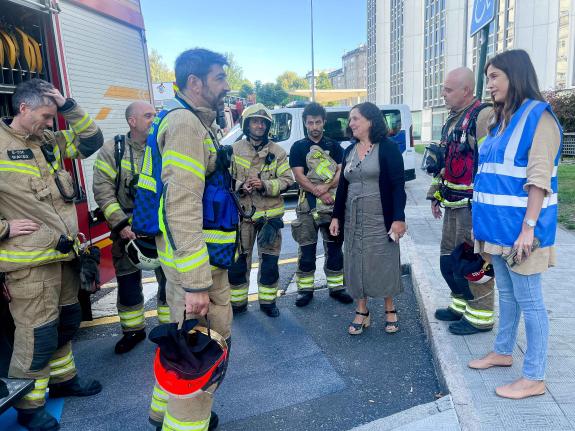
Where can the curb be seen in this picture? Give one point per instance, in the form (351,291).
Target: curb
(448,369)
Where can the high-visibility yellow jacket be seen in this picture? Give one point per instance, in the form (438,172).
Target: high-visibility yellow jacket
(118,207)
(188,156)
(276,177)
(28,188)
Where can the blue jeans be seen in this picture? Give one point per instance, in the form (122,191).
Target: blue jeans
(519,293)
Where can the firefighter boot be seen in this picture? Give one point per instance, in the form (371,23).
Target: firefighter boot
(240,309)
(270,309)
(37,419)
(214,422)
(341,296)
(463,327)
(129,341)
(446,315)
(303,299)
(75,388)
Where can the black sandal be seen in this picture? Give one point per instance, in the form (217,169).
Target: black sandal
(357,328)
(391,327)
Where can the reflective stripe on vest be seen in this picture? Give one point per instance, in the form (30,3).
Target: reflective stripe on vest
(21,168)
(499,200)
(271,213)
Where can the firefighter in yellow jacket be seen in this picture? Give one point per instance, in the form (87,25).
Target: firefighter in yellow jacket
(38,243)
(115,179)
(261,172)
(194,288)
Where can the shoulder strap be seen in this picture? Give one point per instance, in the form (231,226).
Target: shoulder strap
(119,149)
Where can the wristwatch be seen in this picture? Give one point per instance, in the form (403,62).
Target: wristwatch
(530,222)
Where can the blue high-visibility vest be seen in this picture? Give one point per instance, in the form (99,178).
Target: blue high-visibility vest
(220,213)
(499,200)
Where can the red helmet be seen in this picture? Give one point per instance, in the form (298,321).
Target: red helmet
(189,360)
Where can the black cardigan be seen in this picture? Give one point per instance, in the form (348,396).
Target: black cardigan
(391,185)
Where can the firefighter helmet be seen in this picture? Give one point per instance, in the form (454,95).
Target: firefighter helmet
(256,110)
(143,254)
(190,360)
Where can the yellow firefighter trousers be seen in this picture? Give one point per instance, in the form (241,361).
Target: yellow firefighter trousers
(478,310)
(193,413)
(268,271)
(47,314)
(130,301)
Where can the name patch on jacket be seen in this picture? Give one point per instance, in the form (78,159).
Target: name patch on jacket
(20,154)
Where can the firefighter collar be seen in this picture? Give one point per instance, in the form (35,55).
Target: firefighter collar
(206,115)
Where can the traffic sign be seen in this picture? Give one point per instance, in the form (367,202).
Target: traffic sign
(483,14)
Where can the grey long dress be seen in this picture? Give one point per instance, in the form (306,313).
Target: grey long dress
(371,260)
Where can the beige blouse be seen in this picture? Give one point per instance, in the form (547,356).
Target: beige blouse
(540,167)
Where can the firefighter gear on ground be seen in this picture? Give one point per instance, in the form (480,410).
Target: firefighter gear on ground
(463,131)
(116,171)
(42,280)
(270,165)
(189,151)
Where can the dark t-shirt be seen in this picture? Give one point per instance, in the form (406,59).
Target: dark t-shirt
(299,151)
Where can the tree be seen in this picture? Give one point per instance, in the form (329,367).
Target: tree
(159,71)
(270,94)
(323,82)
(563,104)
(234,72)
(291,81)
(246,89)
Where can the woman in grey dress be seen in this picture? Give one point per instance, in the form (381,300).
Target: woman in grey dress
(370,201)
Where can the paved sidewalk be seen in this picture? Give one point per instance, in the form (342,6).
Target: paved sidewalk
(472,391)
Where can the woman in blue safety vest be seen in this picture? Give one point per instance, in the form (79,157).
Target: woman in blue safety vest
(515,213)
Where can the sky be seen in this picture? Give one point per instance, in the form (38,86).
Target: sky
(266,37)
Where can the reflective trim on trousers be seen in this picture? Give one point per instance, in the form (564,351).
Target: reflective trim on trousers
(478,317)
(334,281)
(163,313)
(239,295)
(267,293)
(132,319)
(304,282)
(458,305)
(173,424)
(39,391)
(62,365)
(159,401)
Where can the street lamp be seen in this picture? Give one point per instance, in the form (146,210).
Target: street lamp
(312,63)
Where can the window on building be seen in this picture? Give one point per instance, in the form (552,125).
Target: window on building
(562,44)
(396,54)
(434,35)
(416,122)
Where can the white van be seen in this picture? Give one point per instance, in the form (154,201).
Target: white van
(288,128)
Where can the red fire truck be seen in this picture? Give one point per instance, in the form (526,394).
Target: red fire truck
(92,50)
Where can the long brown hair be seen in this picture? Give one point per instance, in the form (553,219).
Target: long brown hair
(523,84)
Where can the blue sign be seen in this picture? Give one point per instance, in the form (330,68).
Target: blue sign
(483,14)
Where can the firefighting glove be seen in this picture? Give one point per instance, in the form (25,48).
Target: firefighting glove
(268,231)
(89,272)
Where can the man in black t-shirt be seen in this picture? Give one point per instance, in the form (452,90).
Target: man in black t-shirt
(316,165)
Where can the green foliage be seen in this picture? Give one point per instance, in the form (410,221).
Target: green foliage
(563,104)
(234,72)
(291,81)
(322,82)
(566,176)
(159,71)
(246,89)
(270,94)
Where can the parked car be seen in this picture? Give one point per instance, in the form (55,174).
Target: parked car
(288,127)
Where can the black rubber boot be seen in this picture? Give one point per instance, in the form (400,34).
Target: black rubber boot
(303,299)
(214,421)
(75,388)
(270,309)
(341,296)
(37,419)
(447,315)
(463,327)
(129,341)
(240,309)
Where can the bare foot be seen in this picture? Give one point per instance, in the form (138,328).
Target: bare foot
(521,388)
(492,359)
